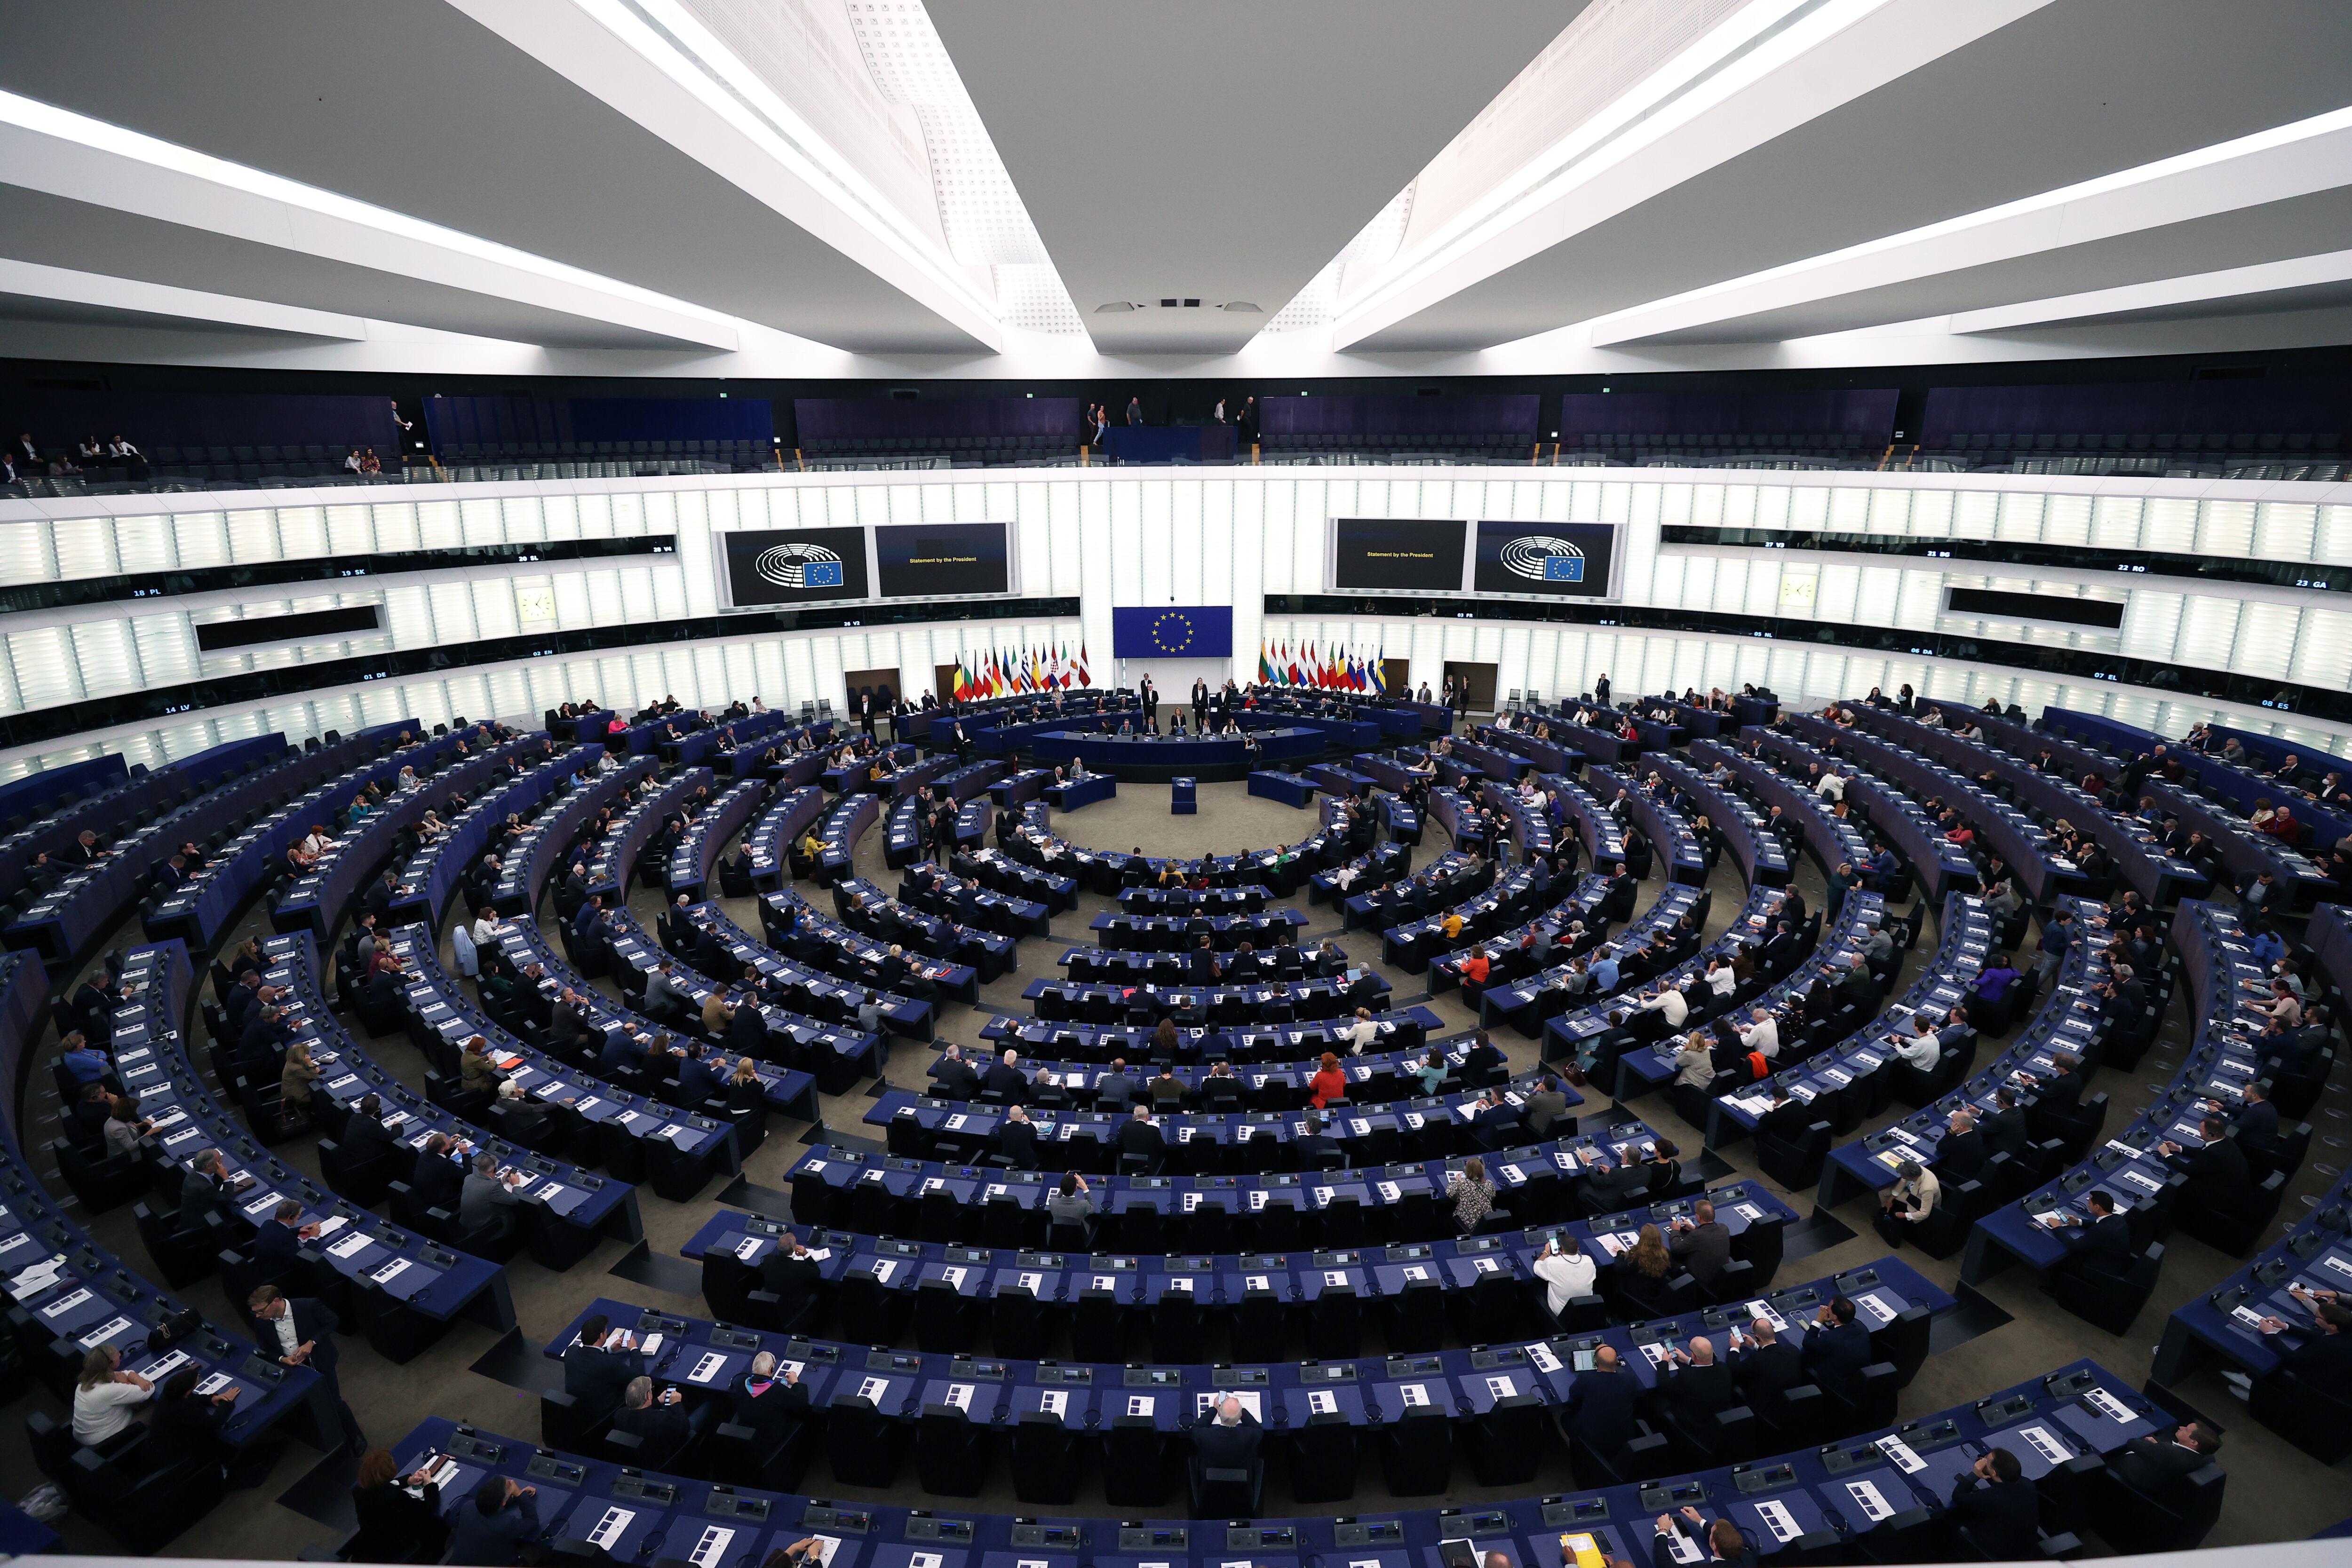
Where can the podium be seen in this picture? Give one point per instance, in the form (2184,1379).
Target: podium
(1180,800)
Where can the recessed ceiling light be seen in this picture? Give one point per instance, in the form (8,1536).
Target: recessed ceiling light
(1116,308)
(1243,306)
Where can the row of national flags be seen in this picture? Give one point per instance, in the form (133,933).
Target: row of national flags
(1001,673)
(1331,667)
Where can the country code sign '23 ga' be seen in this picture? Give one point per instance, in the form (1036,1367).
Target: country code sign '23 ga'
(1563,559)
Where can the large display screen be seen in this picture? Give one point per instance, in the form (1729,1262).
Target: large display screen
(1414,555)
(795,566)
(932,560)
(1565,559)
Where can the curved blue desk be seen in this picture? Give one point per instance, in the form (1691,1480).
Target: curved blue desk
(1156,759)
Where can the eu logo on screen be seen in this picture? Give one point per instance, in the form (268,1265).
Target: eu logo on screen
(1564,568)
(828,573)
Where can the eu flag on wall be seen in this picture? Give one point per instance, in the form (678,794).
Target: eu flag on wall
(1172,631)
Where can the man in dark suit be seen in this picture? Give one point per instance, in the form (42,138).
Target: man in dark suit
(493,1528)
(1835,1353)
(598,1368)
(1600,1404)
(1016,1139)
(792,1276)
(956,1078)
(1960,1154)
(1610,1186)
(1763,1366)
(659,1421)
(2103,1249)
(1315,1149)
(1999,1508)
(1787,1120)
(277,1240)
(1005,1078)
(365,1137)
(2218,1177)
(2061,1092)
(202,1190)
(1702,1244)
(1138,1136)
(438,1180)
(2149,1465)
(2003,1127)
(2256,1120)
(1225,1438)
(2323,1360)
(1699,1387)
(301,1332)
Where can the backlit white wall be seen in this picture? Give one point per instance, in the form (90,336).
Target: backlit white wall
(1160,537)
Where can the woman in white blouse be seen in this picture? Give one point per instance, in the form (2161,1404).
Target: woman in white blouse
(102,1402)
(1566,1271)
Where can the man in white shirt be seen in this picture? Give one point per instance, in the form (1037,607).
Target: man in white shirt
(1566,1271)
(1920,1049)
(1669,1000)
(1762,1036)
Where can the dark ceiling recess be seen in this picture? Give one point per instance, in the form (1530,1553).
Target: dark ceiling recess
(2107,614)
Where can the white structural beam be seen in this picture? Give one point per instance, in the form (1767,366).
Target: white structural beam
(2233,283)
(2274,166)
(64,285)
(701,101)
(46,148)
(1768,70)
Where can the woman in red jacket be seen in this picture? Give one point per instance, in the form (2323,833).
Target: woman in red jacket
(1328,1084)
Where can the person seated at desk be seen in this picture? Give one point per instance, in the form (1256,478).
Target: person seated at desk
(1328,1084)
(1702,1244)
(2151,1464)
(2323,1360)
(396,1524)
(2061,1092)
(2217,1173)
(2102,1250)
(1835,1351)
(659,1421)
(1998,1506)
(1763,1365)
(1912,1198)
(1016,1139)
(1960,1153)
(1005,1078)
(1722,1540)
(1600,1404)
(1225,1438)
(1139,1138)
(598,1366)
(1167,1089)
(104,1395)
(503,1520)
(1696,1385)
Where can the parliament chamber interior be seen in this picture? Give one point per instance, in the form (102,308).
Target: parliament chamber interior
(875,784)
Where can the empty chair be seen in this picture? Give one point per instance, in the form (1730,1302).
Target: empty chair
(951,1452)
(862,1445)
(1507,1441)
(1417,1452)
(1045,1459)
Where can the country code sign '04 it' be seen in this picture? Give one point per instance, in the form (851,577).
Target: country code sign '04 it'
(771,567)
(1557,558)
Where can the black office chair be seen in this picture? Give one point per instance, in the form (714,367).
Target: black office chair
(1417,1452)
(862,1445)
(951,1452)
(1416,1317)
(1506,1442)
(1016,1325)
(1135,1463)
(1259,1328)
(945,1323)
(2176,1520)
(1098,1327)
(1045,1459)
(1323,1460)
(1335,1324)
